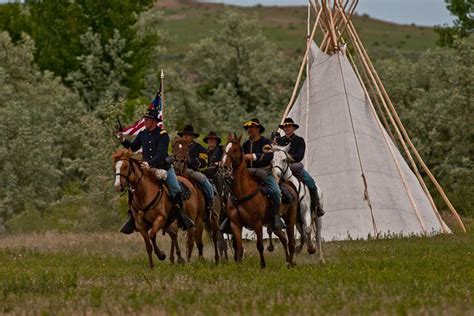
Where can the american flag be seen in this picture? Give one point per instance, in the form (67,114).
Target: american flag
(139,125)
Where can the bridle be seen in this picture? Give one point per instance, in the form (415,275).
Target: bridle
(283,170)
(131,163)
(226,171)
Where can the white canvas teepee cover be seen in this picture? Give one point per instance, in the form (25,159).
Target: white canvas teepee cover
(344,140)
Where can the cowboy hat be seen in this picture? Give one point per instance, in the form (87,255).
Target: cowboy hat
(288,122)
(254,122)
(212,135)
(188,130)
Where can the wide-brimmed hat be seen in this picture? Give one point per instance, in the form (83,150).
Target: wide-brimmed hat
(188,130)
(254,122)
(153,114)
(212,135)
(289,122)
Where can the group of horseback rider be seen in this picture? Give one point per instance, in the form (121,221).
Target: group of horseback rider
(258,155)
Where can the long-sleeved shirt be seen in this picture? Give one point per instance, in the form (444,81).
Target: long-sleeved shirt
(154,145)
(258,148)
(214,155)
(197,156)
(297,146)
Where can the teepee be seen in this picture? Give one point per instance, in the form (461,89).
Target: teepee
(353,135)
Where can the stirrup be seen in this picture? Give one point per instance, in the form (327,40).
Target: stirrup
(184,221)
(225,226)
(128,227)
(278,223)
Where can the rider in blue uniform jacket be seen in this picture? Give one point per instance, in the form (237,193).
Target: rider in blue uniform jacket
(197,161)
(296,151)
(154,143)
(258,154)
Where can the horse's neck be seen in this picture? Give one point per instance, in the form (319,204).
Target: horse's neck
(243,183)
(142,188)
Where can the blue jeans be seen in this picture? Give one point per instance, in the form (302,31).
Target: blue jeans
(274,189)
(172,182)
(207,190)
(308,180)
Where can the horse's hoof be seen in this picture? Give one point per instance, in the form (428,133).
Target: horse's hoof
(298,249)
(311,250)
(161,255)
(262,265)
(270,248)
(181,261)
(321,260)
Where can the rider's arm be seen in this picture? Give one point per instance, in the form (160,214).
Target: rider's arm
(135,145)
(161,150)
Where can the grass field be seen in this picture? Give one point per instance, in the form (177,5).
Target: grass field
(99,273)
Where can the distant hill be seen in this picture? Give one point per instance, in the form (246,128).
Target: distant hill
(189,22)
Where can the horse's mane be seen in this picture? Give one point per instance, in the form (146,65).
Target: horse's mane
(121,153)
(285,149)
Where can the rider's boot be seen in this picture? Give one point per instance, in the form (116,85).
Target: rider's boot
(276,223)
(225,226)
(183,220)
(129,226)
(315,204)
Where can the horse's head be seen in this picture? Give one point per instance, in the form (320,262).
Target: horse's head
(233,155)
(124,175)
(180,153)
(281,162)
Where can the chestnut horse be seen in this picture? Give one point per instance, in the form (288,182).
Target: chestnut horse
(248,207)
(151,204)
(180,154)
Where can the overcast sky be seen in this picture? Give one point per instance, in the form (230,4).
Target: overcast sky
(420,12)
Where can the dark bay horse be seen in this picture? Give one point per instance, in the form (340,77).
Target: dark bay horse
(248,207)
(151,204)
(211,221)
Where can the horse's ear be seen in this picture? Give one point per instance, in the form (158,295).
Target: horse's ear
(240,137)
(235,136)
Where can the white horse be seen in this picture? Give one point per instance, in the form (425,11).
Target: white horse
(309,221)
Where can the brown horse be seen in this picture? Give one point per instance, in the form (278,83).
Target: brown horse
(151,204)
(211,222)
(249,208)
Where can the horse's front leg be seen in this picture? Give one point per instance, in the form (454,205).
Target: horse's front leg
(319,225)
(281,235)
(260,248)
(270,246)
(306,229)
(215,235)
(157,225)
(237,241)
(299,228)
(148,245)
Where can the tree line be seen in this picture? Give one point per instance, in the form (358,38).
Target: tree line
(69,68)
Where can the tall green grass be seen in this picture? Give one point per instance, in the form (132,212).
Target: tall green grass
(110,275)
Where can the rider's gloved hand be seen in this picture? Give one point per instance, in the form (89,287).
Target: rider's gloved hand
(145,165)
(120,136)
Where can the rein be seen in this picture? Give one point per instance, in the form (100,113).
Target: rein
(158,195)
(236,200)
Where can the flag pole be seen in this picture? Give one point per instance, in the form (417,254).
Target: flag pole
(162,83)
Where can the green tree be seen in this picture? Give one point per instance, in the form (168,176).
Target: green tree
(238,73)
(463,27)
(434,98)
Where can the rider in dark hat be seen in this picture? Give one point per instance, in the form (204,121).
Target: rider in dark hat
(214,148)
(258,154)
(198,160)
(154,141)
(296,151)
